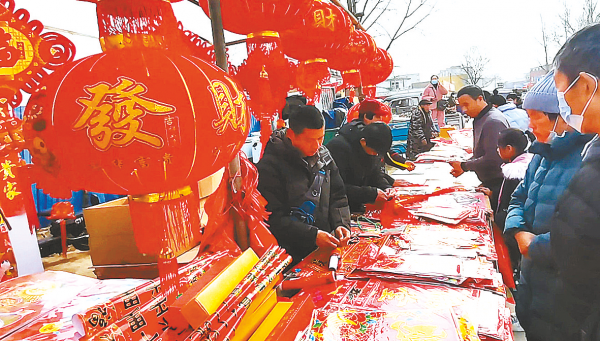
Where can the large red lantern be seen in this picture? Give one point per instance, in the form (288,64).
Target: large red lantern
(359,50)
(325,28)
(245,17)
(376,70)
(143,121)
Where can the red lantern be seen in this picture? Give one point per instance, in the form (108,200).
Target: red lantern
(311,75)
(351,81)
(143,121)
(360,49)
(267,76)
(376,70)
(245,17)
(326,27)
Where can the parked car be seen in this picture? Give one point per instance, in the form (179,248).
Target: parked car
(402,104)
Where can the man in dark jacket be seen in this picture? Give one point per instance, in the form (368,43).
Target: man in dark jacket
(303,188)
(371,111)
(488,124)
(575,226)
(358,156)
(420,131)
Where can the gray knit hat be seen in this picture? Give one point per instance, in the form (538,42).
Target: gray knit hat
(542,96)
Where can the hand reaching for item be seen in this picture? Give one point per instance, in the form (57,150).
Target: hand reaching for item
(326,240)
(343,235)
(485,191)
(381,196)
(456,168)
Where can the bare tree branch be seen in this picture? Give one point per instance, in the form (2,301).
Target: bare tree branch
(474,65)
(406,31)
(376,12)
(383,11)
(545,43)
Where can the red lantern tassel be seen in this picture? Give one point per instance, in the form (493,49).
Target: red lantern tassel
(168,270)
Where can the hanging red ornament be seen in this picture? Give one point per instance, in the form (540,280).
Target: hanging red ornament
(148,120)
(369,91)
(245,17)
(27,57)
(359,50)
(310,76)
(267,76)
(325,28)
(350,81)
(376,70)
(139,127)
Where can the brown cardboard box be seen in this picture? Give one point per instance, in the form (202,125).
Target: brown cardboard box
(111,235)
(112,243)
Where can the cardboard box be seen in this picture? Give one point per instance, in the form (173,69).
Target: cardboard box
(112,243)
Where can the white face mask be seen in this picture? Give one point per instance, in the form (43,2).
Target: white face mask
(575,121)
(553,135)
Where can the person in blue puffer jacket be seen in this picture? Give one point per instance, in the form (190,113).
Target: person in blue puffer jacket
(517,118)
(558,157)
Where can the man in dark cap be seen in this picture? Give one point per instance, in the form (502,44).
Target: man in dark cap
(358,155)
(303,188)
(420,131)
(371,111)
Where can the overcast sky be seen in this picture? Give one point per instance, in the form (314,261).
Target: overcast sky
(506,31)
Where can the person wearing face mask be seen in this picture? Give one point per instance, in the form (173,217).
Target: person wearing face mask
(557,157)
(434,93)
(575,228)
